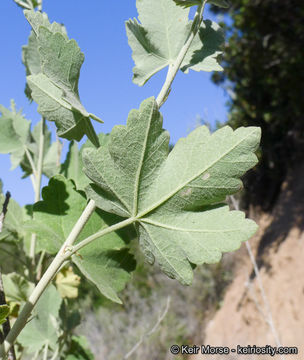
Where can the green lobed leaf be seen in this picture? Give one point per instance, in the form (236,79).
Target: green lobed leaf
(174,199)
(54,86)
(72,168)
(205,49)
(17,288)
(13,222)
(106,261)
(30,54)
(16,138)
(67,283)
(4,312)
(160,35)
(43,328)
(15,131)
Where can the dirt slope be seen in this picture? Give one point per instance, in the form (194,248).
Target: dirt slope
(279,250)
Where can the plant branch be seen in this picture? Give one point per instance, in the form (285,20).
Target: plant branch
(38,183)
(173,68)
(40,161)
(45,351)
(31,161)
(63,254)
(59,151)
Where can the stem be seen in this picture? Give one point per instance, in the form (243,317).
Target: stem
(40,161)
(100,233)
(173,68)
(31,161)
(54,357)
(59,151)
(47,277)
(45,352)
(38,184)
(39,265)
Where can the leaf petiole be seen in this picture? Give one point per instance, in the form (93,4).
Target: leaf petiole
(101,233)
(173,68)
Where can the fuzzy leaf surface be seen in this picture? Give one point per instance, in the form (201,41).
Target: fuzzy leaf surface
(30,54)
(174,199)
(53,220)
(15,131)
(159,35)
(55,87)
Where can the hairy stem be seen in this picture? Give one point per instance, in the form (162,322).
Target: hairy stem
(101,233)
(173,68)
(63,254)
(31,161)
(38,183)
(45,352)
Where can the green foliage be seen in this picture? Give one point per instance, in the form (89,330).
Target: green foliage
(173,201)
(12,230)
(50,153)
(189,3)
(157,40)
(17,288)
(54,83)
(4,312)
(43,329)
(19,141)
(15,133)
(264,76)
(105,262)
(72,168)
(178,223)
(79,349)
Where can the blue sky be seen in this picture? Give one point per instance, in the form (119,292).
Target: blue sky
(105,86)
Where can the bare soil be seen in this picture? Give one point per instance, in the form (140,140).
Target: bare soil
(279,250)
